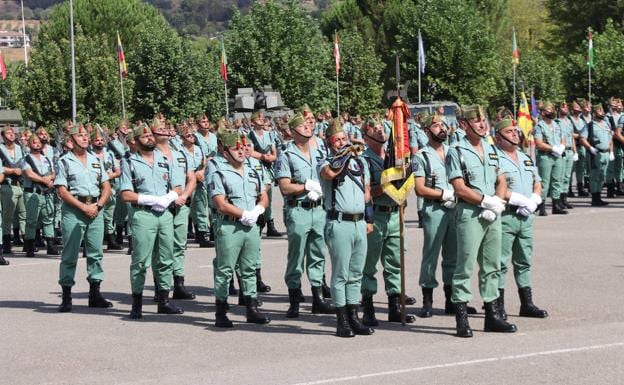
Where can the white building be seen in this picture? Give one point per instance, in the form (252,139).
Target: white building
(12,39)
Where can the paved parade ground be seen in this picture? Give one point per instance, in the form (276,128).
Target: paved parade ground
(578,277)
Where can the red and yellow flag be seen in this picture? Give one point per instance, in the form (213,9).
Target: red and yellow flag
(515,53)
(337,53)
(121,59)
(223,63)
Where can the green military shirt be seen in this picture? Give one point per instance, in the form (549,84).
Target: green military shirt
(417,137)
(567,130)
(12,161)
(194,157)
(375,168)
(463,161)
(346,192)
(139,176)
(550,134)
(601,134)
(79,179)
(208,145)
(520,176)
(179,167)
(294,165)
(118,149)
(43,167)
(213,166)
(427,164)
(241,190)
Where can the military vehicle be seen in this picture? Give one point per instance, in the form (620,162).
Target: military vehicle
(248,100)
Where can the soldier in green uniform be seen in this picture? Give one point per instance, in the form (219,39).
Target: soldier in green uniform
(614,171)
(239,196)
(11,191)
(207,141)
(82,184)
(523,196)
(384,240)
(473,168)
(38,174)
(550,146)
(3,261)
(569,155)
(438,217)
(596,138)
(578,125)
(112,167)
(148,184)
(297,175)
(586,116)
(346,189)
(120,149)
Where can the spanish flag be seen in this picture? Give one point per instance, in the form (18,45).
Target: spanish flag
(524,116)
(121,59)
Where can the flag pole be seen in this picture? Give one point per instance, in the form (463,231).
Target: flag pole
(401,207)
(24,35)
(590,63)
(514,93)
(419,50)
(337,65)
(337,95)
(123,100)
(225,90)
(73,59)
(514,64)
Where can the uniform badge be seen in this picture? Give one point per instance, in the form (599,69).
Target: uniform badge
(493,156)
(95,165)
(182,160)
(528,162)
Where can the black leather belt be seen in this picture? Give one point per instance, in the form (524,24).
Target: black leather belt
(35,190)
(385,209)
(88,199)
(12,182)
(142,207)
(303,204)
(345,216)
(230,218)
(511,208)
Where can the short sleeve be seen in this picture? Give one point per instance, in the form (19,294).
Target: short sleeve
(125,181)
(61,175)
(418,166)
(216,186)
(282,166)
(453,165)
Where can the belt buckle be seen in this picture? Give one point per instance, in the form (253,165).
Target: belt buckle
(89,200)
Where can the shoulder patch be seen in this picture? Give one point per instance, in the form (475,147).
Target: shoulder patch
(182,160)
(493,156)
(528,162)
(95,165)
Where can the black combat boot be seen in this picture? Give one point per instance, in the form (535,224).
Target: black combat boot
(66,304)
(137,306)
(597,201)
(427,307)
(156,290)
(354,322)
(211,235)
(394,310)
(17,240)
(565,203)
(260,286)
(6,244)
(368,311)
(51,249)
(119,238)
(581,191)
(95,297)
(619,188)
(29,248)
(293,299)
(189,230)
(301,296)
(493,320)
(410,300)
(166,307)
(542,210)
(3,261)
(449,306)
(319,305)
(112,243)
(271,230)
(129,252)
(611,190)
(38,239)
(570,192)
(326,289)
(221,318)
(179,290)
(202,241)
(343,329)
(420,219)
(586,182)
(232,289)
(501,304)
(557,208)
(461,321)
(527,308)
(252,313)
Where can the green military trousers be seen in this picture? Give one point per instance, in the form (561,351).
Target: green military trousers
(13,208)
(384,243)
(517,247)
(439,234)
(347,245)
(614,170)
(199,208)
(120,215)
(598,171)
(236,245)
(268,213)
(568,165)
(580,167)
(76,226)
(477,241)
(39,209)
(551,170)
(109,215)
(304,228)
(180,226)
(152,243)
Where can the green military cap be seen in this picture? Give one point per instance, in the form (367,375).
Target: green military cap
(598,107)
(335,127)
(296,120)
(472,111)
(78,128)
(305,109)
(256,115)
(430,119)
(99,132)
(140,130)
(228,138)
(503,112)
(547,104)
(562,103)
(581,102)
(504,123)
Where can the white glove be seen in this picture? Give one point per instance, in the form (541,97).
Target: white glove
(537,199)
(557,150)
(449,204)
(493,203)
(611,156)
(313,196)
(575,157)
(448,196)
(488,215)
(258,210)
(161,205)
(312,185)
(247,218)
(147,200)
(593,150)
(518,199)
(171,196)
(524,211)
